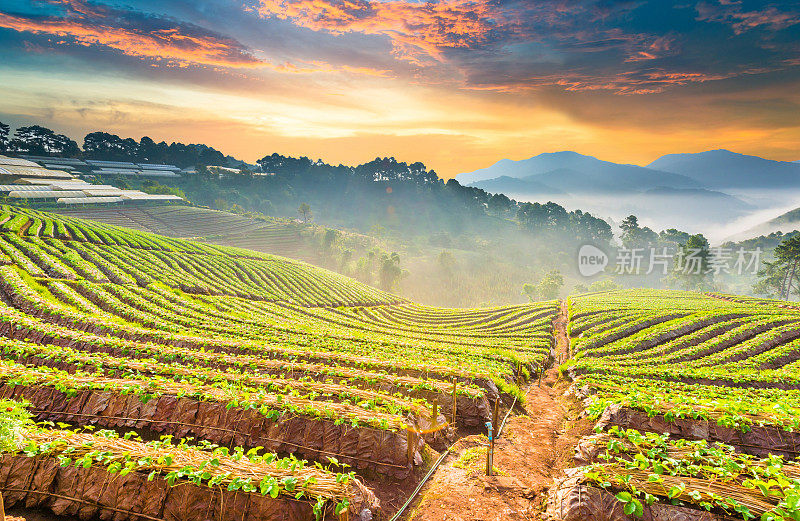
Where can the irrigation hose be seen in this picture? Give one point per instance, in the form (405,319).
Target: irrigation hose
(419,486)
(500,430)
(413,495)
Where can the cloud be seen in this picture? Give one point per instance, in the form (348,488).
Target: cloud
(639,82)
(490,78)
(731,13)
(463,41)
(418,31)
(160,40)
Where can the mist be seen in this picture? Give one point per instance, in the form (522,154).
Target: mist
(719,217)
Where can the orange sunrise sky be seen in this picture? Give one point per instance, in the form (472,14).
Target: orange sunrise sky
(456,84)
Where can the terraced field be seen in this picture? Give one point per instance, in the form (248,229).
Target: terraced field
(169,220)
(698,402)
(277,237)
(300,393)
(172,379)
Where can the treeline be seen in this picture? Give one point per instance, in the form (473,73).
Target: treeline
(404,198)
(36,140)
(389,196)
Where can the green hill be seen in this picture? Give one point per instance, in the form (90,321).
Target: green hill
(114,328)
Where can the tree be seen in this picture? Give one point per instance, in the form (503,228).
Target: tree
(773,280)
(529,290)
(364,267)
(41,141)
(550,285)
(674,237)
(305,211)
(149,151)
(500,205)
(390,271)
(691,267)
(630,230)
(588,229)
(604,285)
(446,262)
(329,239)
(109,147)
(344,261)
(4,130)
(634,236)
(781,274)
(537,217)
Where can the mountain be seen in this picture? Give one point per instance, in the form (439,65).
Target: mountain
(785,223)
(696,203)
(664,191)
(722,169)
(513,185)
(790,218)
(690,209)
(577,173)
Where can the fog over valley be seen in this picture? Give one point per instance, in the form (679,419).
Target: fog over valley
(718,193)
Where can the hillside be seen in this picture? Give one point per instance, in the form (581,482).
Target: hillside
(276,236)
(303,360)
(515,185)
(673,405)
(477,271)
(171,221)
(723,169)
(667,374)
(39,241)
(284,373)
(784,223)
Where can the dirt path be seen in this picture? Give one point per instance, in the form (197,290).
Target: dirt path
(532,450)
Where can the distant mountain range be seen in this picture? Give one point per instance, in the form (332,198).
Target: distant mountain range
(575,173)
(722,169)
(713,188)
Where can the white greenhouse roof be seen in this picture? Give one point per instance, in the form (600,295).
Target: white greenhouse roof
(36,171)
(55,160)
(151,197)
(111,164)
(45,194)
(88,200)
(13,161)
(23,188)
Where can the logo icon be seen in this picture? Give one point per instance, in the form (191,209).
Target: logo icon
(591,260)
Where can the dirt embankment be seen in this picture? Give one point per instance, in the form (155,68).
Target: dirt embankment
(531,451)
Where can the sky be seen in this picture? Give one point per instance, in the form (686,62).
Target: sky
(457,84)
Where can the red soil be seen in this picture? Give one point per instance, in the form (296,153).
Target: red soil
(532,450)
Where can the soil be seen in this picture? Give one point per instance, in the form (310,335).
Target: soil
(30,514)
(533,449)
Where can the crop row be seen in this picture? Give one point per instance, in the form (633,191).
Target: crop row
(642,468)
(190,266)
(57,341)
(97,308)
(103,474)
